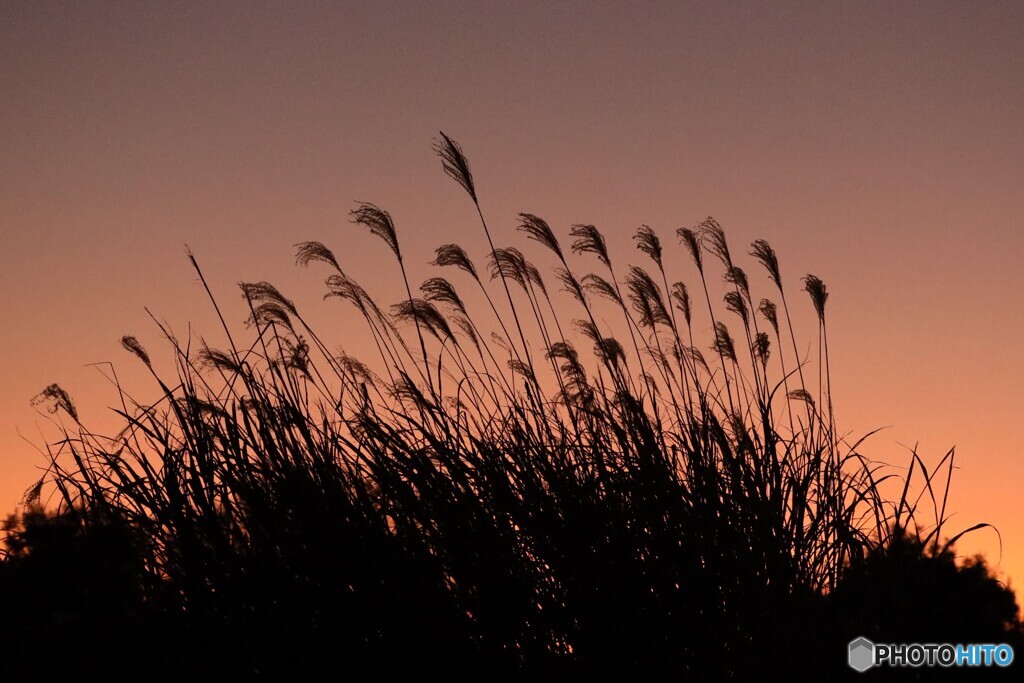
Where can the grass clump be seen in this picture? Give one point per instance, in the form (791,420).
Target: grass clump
(513,484)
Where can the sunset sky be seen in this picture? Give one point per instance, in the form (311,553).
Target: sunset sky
(879,146)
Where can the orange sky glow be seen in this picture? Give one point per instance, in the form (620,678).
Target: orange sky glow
(879,146)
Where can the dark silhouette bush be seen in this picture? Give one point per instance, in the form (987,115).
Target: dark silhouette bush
(911,592)
(68,591)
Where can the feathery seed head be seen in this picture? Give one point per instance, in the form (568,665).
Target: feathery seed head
(763,252)
(736,276)
(723,342)
(462,322)
(696,356)
(268,305)
(423,313)
(379,222)
(682,298)
(454,255)
(598,285)
(588,330)
(735,302)
(356,370)
(314,251)
(770,313)
(609,351)
(761,347)
(563,350)
(439,289)
(802,395)
(522,368)
(646,297)
(455,164)
(58,399)
(647,242)
(538,229)
(589,239)
(571,284)
(533,275)
(265,292)
(508,263)
(816,288)
(267,313)
(691,241)
(714,238)
(132,344)
(219,360)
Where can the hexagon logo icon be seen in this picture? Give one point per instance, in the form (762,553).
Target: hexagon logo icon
(861,654)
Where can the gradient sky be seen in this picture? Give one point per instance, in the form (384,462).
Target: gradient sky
(877,145)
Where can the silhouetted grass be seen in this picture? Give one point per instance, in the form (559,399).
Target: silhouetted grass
(511,486)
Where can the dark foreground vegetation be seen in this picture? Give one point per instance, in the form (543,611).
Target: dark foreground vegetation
(523,484)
